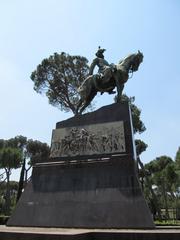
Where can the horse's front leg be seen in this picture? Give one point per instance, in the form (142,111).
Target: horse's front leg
(87,102)
(120,88)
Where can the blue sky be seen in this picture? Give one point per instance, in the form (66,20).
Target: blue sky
(32,30)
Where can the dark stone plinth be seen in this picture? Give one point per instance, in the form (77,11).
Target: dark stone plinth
(93,195)
(86,193)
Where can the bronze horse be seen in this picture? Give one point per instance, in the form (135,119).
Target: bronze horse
(111,79)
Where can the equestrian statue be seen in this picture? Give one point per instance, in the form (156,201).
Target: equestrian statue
(107,78)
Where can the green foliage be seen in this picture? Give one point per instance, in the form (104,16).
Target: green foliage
(14,152)
(158,164)
(167,223)
(3,219)
(13,188)
(164,178)
(140,146)
(17,142)
(10,158)
(2,143)
(37,151)
(177,159)
(163,173)
(33,150)
(138,125)
(59,77)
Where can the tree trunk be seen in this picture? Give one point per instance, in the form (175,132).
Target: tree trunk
(26,174)
(21,181)
(165,200)
(7,196)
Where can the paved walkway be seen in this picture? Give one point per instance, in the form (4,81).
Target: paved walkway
(33,233)
(4,228)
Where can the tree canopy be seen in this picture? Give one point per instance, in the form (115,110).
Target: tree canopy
(37,151)
(10,158)
(164,178)
(138,125)
(14,153)
(59,77)
(177,159)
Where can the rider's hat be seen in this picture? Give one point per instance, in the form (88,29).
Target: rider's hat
(100,52)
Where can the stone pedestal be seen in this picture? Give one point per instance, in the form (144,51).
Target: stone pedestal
(90,181)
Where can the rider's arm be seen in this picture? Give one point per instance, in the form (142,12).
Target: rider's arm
(93,64)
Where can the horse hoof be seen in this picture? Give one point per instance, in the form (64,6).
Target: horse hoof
(112,92)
